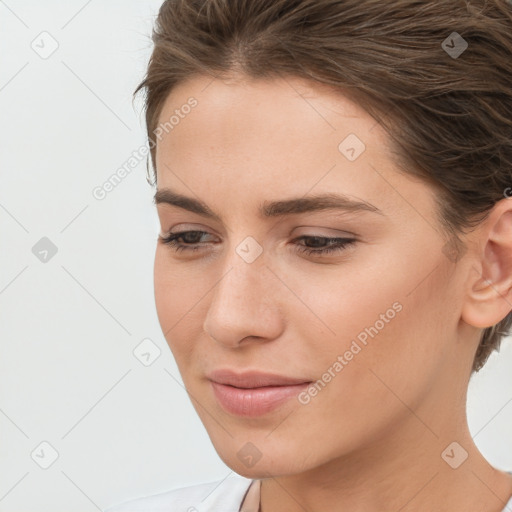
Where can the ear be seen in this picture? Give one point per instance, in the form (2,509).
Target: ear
(489,297)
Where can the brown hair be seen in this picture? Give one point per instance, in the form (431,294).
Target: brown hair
(449,115)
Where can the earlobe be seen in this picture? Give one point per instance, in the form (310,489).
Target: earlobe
(489,298)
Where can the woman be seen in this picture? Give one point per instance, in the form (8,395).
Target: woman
(335,256)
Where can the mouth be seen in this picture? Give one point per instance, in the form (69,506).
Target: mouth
(253,393)
(253,378)
(251,402)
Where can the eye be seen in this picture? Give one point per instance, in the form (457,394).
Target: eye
(321,245)
(191,245)
(333,244)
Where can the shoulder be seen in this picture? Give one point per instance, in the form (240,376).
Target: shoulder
(219,496)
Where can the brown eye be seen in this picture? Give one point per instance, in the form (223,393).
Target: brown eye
(333,244)
(190,238)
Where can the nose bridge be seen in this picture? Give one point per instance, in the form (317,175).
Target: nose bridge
(240,299)
(243,273)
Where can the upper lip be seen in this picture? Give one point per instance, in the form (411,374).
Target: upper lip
(253,379)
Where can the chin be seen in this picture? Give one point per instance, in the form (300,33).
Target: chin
(262,465)
(260,470)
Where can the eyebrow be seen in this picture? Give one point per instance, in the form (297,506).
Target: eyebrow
(271,209)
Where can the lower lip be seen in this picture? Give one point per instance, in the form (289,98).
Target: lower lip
(254,401)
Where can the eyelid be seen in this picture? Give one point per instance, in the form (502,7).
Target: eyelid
(331,231)
(171,213)
(183,226)
(324,232)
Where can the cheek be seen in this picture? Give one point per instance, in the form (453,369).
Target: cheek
(180,299)
(344,303)
(391,333)
(177,288)
(164,283)
(173,296)
(389,309)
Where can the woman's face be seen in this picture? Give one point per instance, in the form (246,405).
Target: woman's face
(375,325)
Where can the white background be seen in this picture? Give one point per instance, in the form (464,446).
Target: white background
(69,326)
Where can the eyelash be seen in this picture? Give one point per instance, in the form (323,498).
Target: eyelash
(170,240)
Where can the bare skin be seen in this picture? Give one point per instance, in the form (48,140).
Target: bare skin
(373,437)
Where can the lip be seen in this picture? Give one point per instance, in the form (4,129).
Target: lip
(253,379)
(253,393)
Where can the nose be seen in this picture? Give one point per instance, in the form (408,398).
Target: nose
(244,304)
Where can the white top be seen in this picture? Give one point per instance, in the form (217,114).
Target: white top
(219,496)
(233,494)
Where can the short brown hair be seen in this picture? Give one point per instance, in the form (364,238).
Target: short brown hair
(449,116)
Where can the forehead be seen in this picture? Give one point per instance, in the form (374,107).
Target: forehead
(276,102)
(260,125)
(252,140)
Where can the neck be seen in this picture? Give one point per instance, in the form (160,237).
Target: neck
(406,472)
